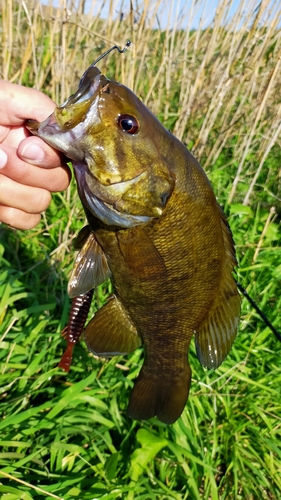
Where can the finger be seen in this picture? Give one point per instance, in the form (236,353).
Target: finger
(19,103)
(13,135)
(18,219)
(34,150)
(29,199)
(23,173)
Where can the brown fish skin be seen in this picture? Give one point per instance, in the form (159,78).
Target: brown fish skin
(167,243)
(167,305)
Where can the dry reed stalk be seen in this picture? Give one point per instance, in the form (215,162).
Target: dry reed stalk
(143,33)
(253,130)
(7,40)
(232,45)
(32,25)
(271,143)
(186,41)
(271,217)
(217,86)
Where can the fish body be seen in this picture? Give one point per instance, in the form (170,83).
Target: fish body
(156,229)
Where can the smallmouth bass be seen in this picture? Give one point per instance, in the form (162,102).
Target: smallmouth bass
(156,229)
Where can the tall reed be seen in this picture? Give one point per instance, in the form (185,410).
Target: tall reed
(217,86)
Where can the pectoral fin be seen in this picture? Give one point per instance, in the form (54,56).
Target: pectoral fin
(140,254)
(111,332)
(215,335)
(90,267)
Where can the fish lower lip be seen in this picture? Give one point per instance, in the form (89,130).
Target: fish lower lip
(50,125)
(63,140)
(49,131)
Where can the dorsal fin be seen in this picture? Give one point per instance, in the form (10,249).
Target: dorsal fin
(215,335)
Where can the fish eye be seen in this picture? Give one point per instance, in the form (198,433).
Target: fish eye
(128,123)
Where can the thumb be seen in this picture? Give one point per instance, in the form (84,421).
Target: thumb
(35,151)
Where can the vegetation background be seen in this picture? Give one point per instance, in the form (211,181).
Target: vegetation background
(66,436)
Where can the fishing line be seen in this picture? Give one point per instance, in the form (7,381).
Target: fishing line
(257,309)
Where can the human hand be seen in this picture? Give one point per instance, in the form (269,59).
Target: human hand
(29,169)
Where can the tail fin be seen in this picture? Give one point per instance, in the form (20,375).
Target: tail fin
(156,396)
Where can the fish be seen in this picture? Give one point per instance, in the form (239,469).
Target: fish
(156,230)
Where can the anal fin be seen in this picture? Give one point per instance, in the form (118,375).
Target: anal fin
(111,332)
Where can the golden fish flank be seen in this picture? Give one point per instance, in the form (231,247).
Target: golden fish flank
(156,229)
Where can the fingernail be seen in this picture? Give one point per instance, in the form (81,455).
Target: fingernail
(3,158)
(33,152)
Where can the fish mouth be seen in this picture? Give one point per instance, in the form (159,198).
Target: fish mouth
(100,199)
(88,87)
(63,140)
(32,126)
(50,126)
(66,126)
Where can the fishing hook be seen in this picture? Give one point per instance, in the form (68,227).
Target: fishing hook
(110,50)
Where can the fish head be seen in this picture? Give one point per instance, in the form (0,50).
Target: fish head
(117,147)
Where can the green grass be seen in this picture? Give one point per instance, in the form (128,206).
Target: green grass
(67,436)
